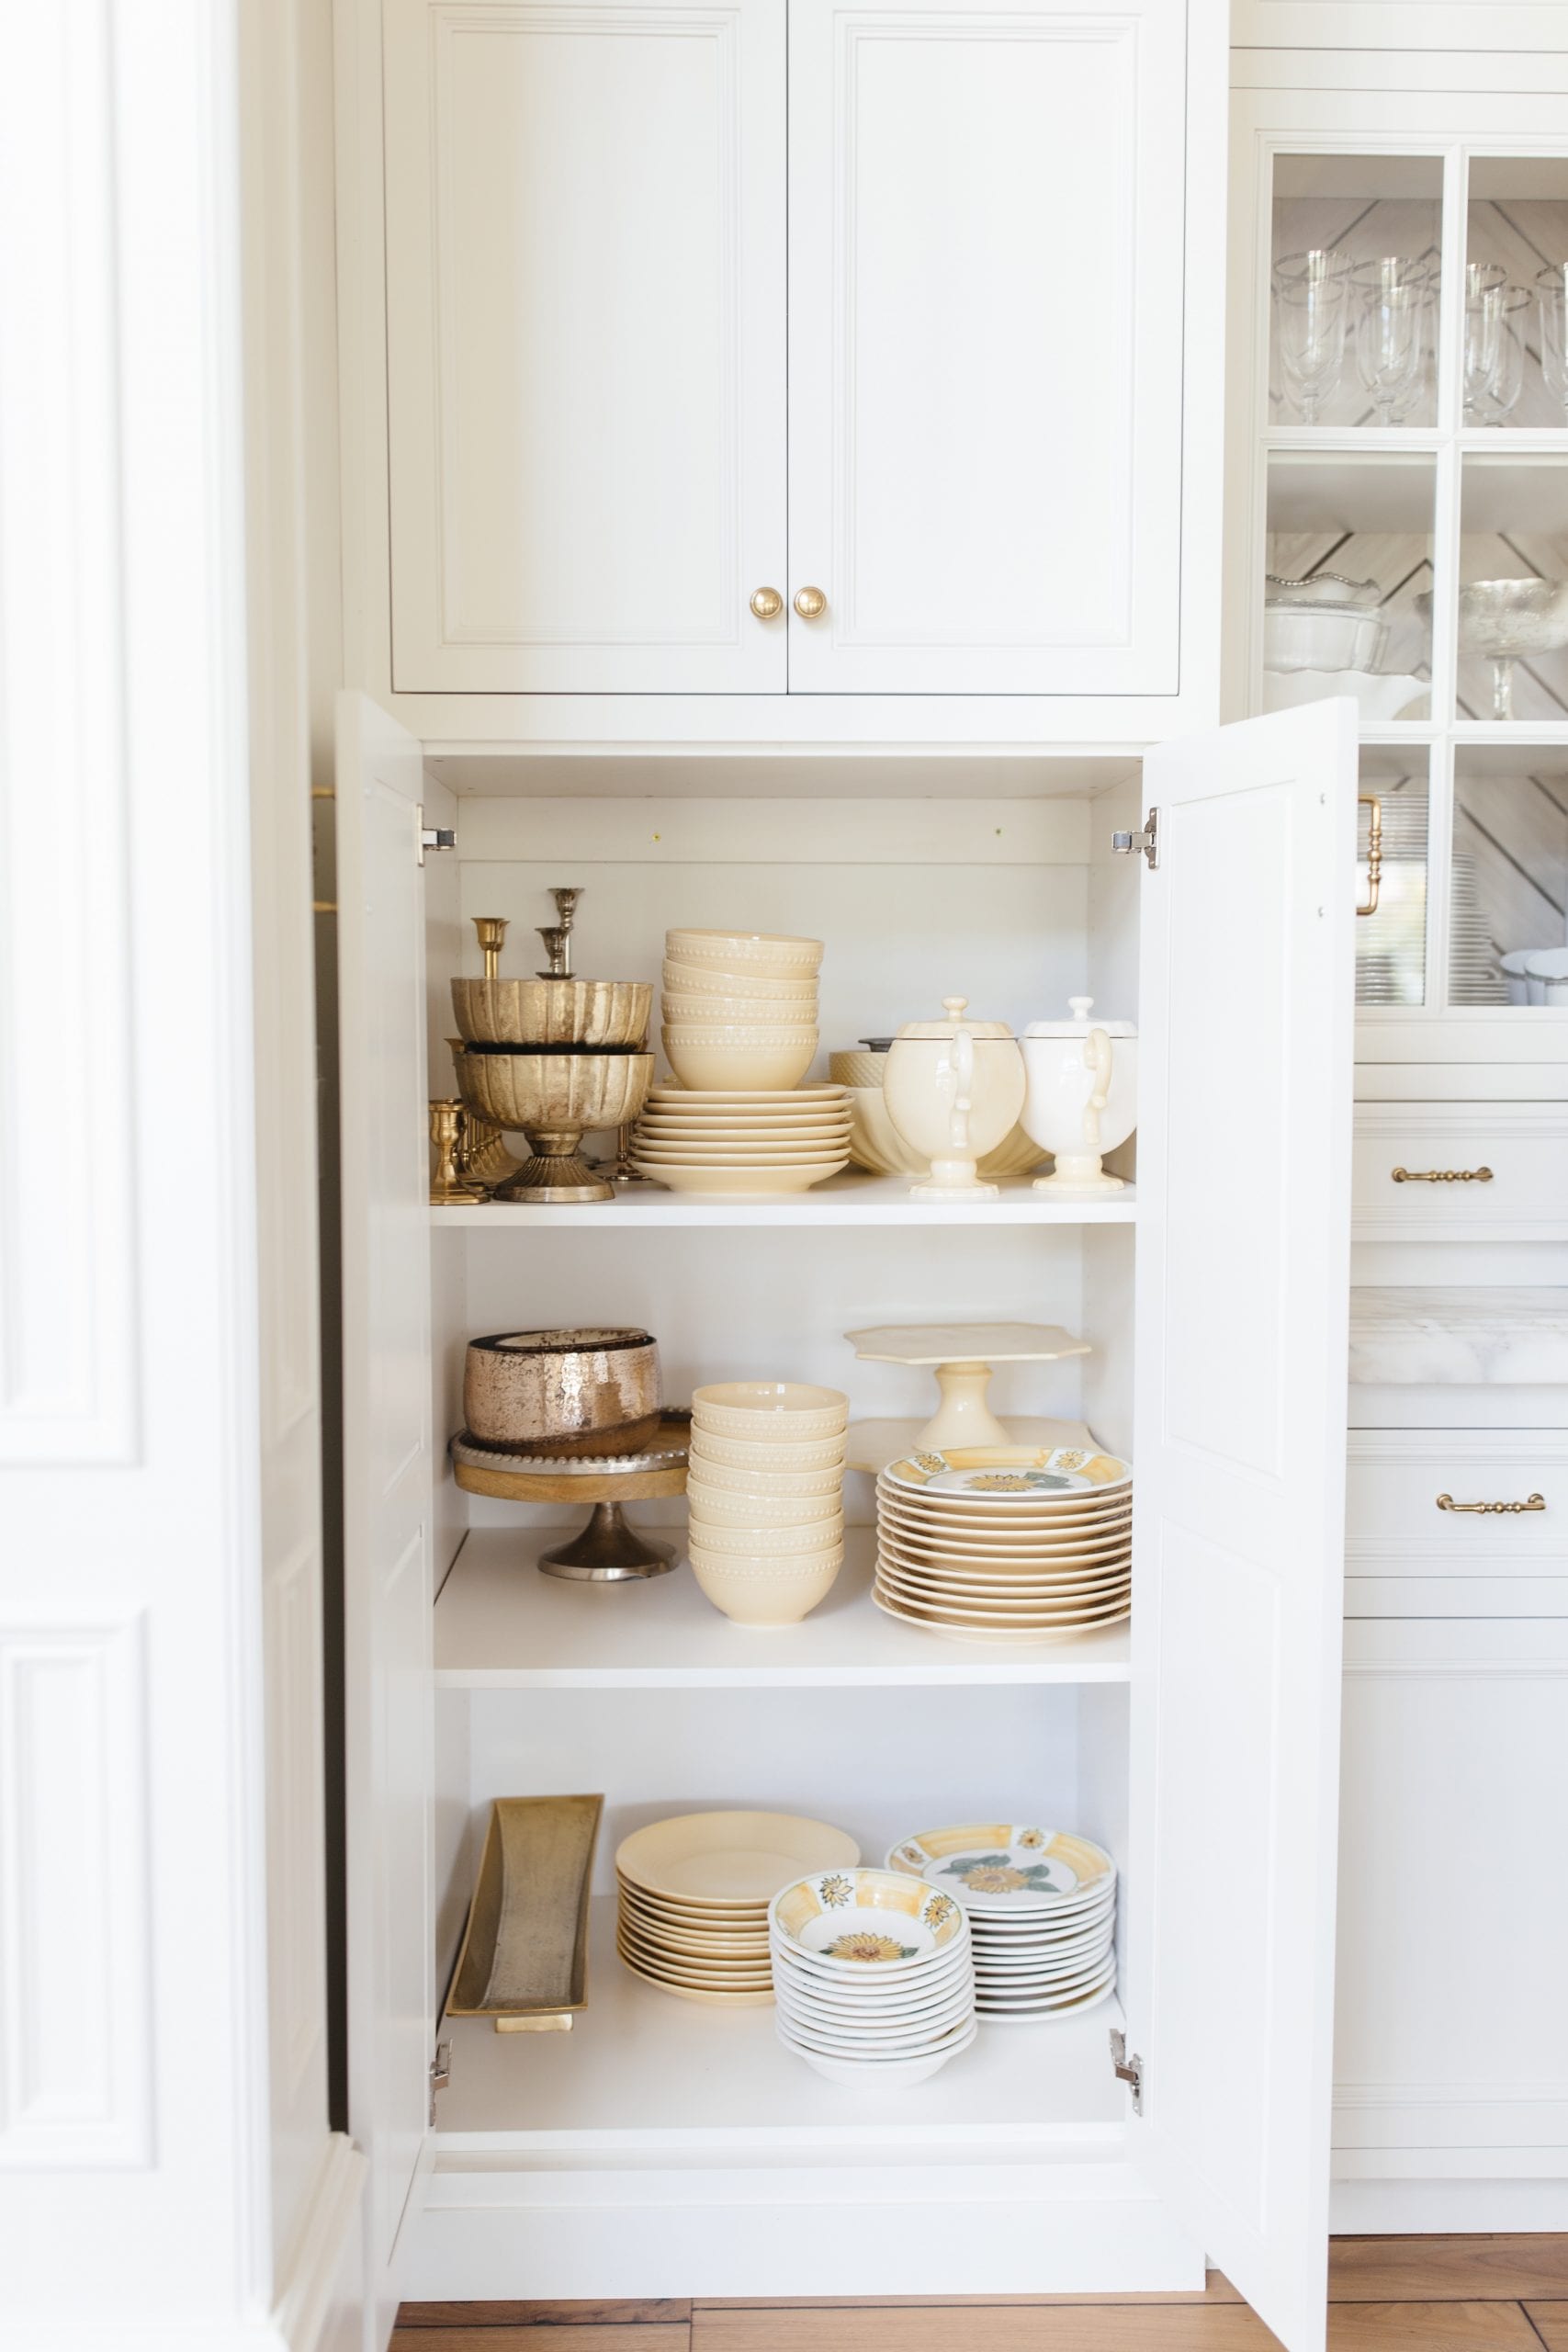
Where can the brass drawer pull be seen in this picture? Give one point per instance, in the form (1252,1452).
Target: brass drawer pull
(1369,800)
(1536,1502)
(1441,1175)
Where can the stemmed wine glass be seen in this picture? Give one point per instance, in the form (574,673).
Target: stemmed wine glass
(1551,298)
(1310,306)
(1494,343)
(1391,331)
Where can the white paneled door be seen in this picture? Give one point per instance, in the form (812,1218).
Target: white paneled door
(387,1475)
(985,326)
(585,297)
(1244,1182)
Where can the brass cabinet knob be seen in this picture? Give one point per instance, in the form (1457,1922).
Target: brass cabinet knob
(810,604)
(767,604)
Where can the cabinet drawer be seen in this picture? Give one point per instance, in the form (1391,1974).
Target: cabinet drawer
(1394,1525)
(1524,1145)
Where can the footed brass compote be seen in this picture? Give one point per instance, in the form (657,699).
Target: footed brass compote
(555,1097)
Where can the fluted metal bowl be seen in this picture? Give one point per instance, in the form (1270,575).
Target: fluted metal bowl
(555,1099)
(553,1012)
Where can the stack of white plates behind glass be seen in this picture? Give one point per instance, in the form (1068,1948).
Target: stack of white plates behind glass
(693,1894)
(1006,1543)
(873,1975)
(1041,1906)
(740,1007)
(743,1140)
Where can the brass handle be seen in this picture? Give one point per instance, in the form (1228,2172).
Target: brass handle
(810,604)
(1374,851)
(1536,1502)
(1441,1175)
(767,604)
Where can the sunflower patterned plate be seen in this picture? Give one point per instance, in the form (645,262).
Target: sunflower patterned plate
(1010,1474)
(1005,1866)
(863,1921)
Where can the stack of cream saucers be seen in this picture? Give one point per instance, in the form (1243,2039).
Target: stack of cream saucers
(1041,1906)
(874,1976)
(739,1007)
(693,1896)
(743,1140)
(1006,1543)
(765,1496)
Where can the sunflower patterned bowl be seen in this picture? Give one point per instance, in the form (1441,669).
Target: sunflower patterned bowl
(873,1975)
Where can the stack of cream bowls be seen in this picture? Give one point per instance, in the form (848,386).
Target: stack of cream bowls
(742,1142)
(692,1898)
(765,1495)
(739,1008)
(1041,1906)
(873,1975)
(1006,1543)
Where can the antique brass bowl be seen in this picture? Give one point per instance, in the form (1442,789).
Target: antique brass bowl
(593,1013)
(555,1099)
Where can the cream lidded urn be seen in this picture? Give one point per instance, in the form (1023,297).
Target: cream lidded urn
(1082,1097)
(954,1090)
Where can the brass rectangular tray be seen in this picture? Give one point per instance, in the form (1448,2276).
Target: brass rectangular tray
(525,1956)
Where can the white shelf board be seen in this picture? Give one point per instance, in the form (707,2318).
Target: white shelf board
(1382,490)
(499,1625)
(843,1200)
(778,772)
(641,2071)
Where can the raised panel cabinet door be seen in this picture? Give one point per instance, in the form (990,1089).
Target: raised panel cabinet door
(1241,1317)
(985,345)
(585,325)
(387,1469)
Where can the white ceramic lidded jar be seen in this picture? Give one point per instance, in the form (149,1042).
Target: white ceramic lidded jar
(1082,1097)
(954,1090)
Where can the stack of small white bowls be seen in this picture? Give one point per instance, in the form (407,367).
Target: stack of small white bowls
(765,1494)
(873,1975)
(739,1008)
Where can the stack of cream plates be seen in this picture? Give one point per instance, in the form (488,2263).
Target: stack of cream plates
(743,1140)
(693,1895)
(873,1976)
(1041,1906)
(1006,1543)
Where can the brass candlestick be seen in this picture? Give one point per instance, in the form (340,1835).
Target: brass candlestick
(448,1189)
(623,1173)
(491,930)
(558,947)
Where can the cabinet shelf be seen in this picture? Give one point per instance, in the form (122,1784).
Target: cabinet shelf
(501,1625)
(843,1200)
(641,2072)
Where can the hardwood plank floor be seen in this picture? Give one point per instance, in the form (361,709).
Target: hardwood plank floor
(1504,2293)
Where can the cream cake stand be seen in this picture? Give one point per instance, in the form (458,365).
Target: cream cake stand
(962,1356)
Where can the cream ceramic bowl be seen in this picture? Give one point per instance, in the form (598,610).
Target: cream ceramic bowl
(719,1507)
(782,1412)
(763,1454)
(706,1011)
(739,987)
(701,1063)
(767,1485)
(768,1544)
(765,1597)
(748,951)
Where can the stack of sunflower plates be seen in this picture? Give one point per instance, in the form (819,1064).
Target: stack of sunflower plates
(875,1980)
(1006,1542)
(693,1895)
(1042,1910)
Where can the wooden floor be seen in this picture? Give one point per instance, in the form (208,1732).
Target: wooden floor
(1419,2294)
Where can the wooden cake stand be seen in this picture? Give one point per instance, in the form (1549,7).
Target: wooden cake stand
(607,1550)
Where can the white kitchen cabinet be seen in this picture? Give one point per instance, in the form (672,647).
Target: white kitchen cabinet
(653,2150)
(595,497)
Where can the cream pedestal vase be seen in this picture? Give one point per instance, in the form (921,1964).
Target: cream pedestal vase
(954,1090)
(1082,1097)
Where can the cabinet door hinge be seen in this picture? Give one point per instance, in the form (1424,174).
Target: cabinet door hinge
(1125,2069)
(1124,844)
(433,836)
(440,2073)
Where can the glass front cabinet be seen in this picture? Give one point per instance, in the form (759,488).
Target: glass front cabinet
(1398,497)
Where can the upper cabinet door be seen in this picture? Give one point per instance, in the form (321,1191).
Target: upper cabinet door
(585,305)
(387,1469)
(1244,1183)
(985,345)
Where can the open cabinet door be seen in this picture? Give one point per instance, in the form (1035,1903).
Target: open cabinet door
(1244,1182)
(387,1469)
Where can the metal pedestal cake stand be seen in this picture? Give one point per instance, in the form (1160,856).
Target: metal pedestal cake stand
(607,1549)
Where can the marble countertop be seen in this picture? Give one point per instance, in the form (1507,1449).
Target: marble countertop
(1452,1337)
